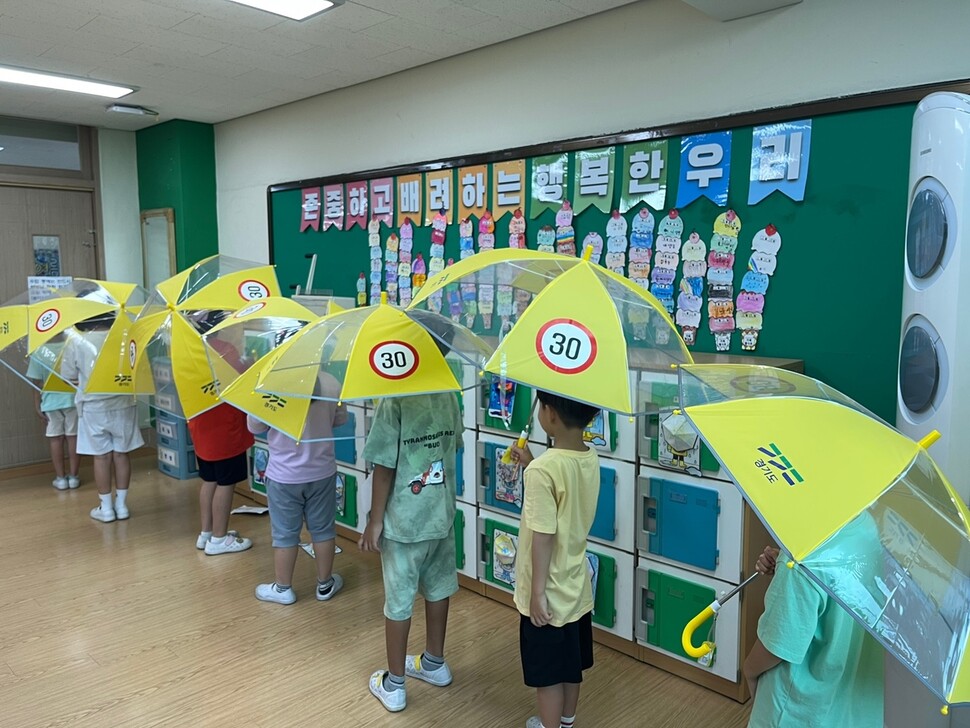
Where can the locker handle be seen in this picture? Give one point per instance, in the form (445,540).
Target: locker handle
(649,515)
(647,613)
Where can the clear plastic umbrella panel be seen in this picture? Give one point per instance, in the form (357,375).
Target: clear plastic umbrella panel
(860,507)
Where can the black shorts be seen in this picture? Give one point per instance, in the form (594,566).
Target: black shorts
(554,655)
(224,472)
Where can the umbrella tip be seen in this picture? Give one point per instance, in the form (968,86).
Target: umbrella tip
(945,710)
(931,437)
(588,252)
(383,297)
(790,564)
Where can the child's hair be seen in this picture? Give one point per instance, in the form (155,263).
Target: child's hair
(572,413)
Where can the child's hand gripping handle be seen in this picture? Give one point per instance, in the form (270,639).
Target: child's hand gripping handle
(687,638)
(520,443)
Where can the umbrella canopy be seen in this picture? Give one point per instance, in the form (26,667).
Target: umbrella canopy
(861,508)
(165,350)
(359,354)
(585,326)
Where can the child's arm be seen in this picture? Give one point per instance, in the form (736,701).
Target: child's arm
(255,426)
(37,405)
(381,483)
(542,544)
(522,455)
(340,415)
(757,663)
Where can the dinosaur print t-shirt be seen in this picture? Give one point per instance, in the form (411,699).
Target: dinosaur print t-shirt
(418,437)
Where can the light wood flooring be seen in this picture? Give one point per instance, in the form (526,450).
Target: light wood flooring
(126,624)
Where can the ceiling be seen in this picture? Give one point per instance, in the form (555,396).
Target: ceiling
(212,60)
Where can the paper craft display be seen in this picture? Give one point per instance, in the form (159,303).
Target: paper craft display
(471,200)
(546,239)
(504,547)
(593,241)
(504,300)
(310,209)
(419,273)
(356,204)
(362,289)
(594,178)
(508,186)
(720,279)
(705,168)
(391,259)
(438,195)
(616,243)
(376,265)
(749,317)
(409,198)
(641,248)
(645,175)
(453,294)
(779,160)
(517,230)
(679,445)
(501,399)
(382,201)
(667,259)
(486,231)
(333,207)
(595,432)
(471,297)
(404,292)
(508,479)
(565,235)
(466,243)
(693,255)
(548,182)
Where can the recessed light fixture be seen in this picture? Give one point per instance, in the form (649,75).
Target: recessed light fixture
(26,77)
(136,110)
(294,9)
(2,148)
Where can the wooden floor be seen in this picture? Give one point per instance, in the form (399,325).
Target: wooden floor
(127,624)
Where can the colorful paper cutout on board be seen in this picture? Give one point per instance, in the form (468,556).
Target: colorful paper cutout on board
(508,187)
(508,479)
(382,200)
(616,243)
(720,279)
(779,160)
(705,168)
(356,204)
(593,185)
(565,234)
(472,198)
(504,547)
(517,230)
(409,198)
(333,207)
(549,177)
(644,175)
(749,316)
(667,259)
(438,193)
(310,209)
(679,445)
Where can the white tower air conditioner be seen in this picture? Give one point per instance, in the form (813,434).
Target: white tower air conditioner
(934,373)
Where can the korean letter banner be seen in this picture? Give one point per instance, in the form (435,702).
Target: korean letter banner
(508,187)
(409,194)
(438,193)
(472,191)
(644,175)
(779,160)
(594,179)
(356,204)
(705,168)
(310,209)
(382,200)
(333,207)
(549,175)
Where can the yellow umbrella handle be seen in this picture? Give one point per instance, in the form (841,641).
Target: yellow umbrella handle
(687,638)
(931,437)
(521,442)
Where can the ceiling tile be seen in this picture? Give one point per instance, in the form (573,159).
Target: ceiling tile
(353,16)
(48,13)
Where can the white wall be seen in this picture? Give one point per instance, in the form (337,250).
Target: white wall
(120,215)
(642,65)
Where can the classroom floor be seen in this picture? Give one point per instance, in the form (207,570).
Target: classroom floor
(127,624)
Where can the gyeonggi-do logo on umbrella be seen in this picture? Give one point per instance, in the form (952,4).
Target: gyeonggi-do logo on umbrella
(273,402)
(210,387)
(250,290)
(124,379)
(774,464)
(47,320)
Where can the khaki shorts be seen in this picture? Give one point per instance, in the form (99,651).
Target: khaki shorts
(61,422)
(100,433)
(425,567)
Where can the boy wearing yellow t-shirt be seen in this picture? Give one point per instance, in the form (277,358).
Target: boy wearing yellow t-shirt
(553,592)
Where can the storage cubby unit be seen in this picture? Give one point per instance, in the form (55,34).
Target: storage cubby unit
(179,464)
(614,524)
(613,595)
(500,485)
(466,540)
(517,416)
(465,463)
(258,461)
(349,442)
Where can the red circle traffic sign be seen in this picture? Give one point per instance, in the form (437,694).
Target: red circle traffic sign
(47,320)
(251,289)
(394,359)
(566,346)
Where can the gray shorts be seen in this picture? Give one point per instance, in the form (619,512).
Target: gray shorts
(290,504)
(425,567)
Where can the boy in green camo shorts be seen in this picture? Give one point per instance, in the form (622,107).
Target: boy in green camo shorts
(412,444)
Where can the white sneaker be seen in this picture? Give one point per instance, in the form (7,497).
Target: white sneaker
(100,514)
(534,722)
(338,583)
(73,482)
(269,593)
(439,677)
(60,483)
(121,511)
(230,545)
(393,700)
(202,540)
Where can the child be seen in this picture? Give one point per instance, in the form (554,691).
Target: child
(107,425)
(301,480)
(57,411)
(813,665)
(412,444)
(553,592)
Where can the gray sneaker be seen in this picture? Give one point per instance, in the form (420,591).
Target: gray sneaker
(326,595)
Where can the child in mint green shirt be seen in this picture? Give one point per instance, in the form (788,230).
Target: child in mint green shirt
(56,410)
(813,665)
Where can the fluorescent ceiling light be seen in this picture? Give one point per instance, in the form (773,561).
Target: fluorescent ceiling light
(295,9)
(26,77)
(137,110)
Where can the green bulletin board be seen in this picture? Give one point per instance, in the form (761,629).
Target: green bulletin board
(835,299)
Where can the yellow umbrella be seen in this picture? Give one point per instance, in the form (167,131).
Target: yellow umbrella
(166,354)
(859,506)
(358,354)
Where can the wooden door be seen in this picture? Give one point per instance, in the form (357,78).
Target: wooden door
(24,213)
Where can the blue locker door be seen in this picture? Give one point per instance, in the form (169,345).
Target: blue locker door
(687,519)
(460,472)
(604,523)
(345,450)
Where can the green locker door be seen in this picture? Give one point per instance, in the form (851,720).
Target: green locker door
(459,540)
(500,545)
(346,499)
(675,602)
(604,591)
(521,407)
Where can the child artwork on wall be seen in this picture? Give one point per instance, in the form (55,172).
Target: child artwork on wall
(466,242)
(546,239)
(517,229)
(504,547)
(664,270)
(616,243)
(391,249)
(593,241)
(720,279)
(595,432)
(641,248)
(691,296)
(751,300)
(565,234)
(453,293)
(678,445)
(501,399)
(436,264)
(404,263)
(508,479)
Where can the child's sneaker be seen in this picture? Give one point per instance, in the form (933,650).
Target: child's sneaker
(60,483)
(327,594)
(73,482)
(203,538)
(229,545)
(534,722)
(414,668)
(393,700)
(121,511)
(271,593)
(102,514)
